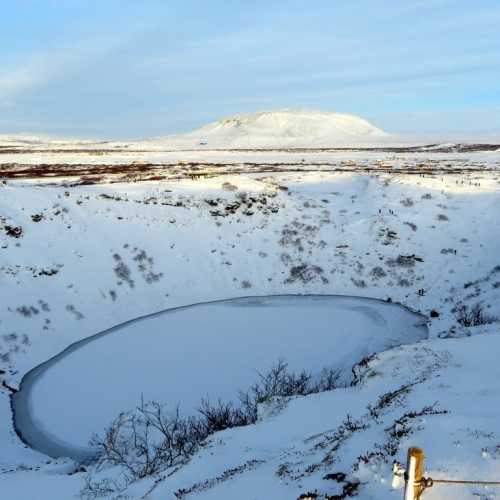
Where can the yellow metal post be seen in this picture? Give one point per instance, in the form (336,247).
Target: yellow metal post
(415,472)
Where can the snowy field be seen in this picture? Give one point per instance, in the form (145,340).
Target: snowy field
(78,259)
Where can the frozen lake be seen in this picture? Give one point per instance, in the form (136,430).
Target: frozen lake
(181,355)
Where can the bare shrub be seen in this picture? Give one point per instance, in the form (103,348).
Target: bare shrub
(122,271)
(10,337)
(218,417)
(474,316)
(27,311)
(378,272)
(407,202)
(279,382)
(401,261)
(76,313)
(101,488)
(359,283)
(305,273)
(5,357)
(145,440)
(328,380)
(148,439)
(442,217)
(44,305)
(145,267)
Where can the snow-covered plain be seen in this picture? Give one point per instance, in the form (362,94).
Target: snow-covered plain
(77,259)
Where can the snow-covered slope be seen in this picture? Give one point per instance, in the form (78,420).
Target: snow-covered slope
(78,259)
(344,442)
(282,129)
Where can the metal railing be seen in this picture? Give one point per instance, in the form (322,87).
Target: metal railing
(416,483)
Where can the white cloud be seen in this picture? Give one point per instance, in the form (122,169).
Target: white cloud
(18,79)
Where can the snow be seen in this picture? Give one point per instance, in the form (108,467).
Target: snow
(59,285)
(297,440)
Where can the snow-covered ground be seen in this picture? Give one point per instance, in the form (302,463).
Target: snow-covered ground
(219,158)
(77,259)
(419,394)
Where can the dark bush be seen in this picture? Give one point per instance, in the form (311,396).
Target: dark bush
(474,316)
(13,231)
(305,273)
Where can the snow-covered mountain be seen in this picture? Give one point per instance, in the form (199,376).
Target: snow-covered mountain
(282,129)
(279,129)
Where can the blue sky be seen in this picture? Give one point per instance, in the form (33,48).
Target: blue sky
(120,68)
